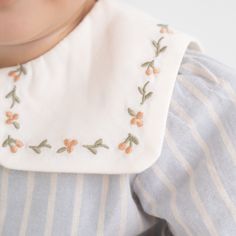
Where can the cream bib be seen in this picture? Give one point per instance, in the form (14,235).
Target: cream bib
(98,101)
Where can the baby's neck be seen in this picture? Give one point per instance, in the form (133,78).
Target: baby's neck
(21,53)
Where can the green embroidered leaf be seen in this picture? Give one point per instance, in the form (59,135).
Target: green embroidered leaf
(94,151)
(133,139)
(144,87)
(159,41)
(98,142)
(36,149)
(148,95)
(16,125)
(154,43)
(5,143)
(60,150)
(162,25)
(17,99)
(11,140)
(140,90)
(8,95)
(131,112)
(12,105)
(163,49)
(145,64)
(43,142)
(47,145)
(105,146)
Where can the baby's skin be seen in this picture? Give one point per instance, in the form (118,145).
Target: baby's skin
(29,28)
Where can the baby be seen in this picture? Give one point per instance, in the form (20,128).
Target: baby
(111,123)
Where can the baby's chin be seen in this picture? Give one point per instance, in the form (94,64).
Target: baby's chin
(6,3)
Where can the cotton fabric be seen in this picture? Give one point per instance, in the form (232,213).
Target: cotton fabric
(82,90)
(192,185)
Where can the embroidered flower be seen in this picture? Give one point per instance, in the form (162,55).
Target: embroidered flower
(12,143)
(137,118)
(38,148)
(13,96)
(128,144)
(15,74)
(12,119)
(144,93)
(93,148)
(153,66)
(69,146)
(164,29)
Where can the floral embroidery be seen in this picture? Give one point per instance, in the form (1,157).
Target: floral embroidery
(164,29)
(137,118)
(13,96)
(12,119)
(69,146)
(128,143)
(144,93)
(93,148)
(157,45)
(152,67)
(13,144)
(15,74)
(37,149)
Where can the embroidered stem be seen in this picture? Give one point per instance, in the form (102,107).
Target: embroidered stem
(144,93)
(93,148)
(127,144)
(157,45)
(13,96)
(37,149)
(13,144)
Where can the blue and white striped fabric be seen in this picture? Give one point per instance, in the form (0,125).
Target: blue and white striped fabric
(192,185)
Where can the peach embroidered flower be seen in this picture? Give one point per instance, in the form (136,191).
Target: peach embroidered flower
(15,74)
(137,118)
(14,144)
(150,68)
(164,29)
(69,146)
(127,145)
(12,119)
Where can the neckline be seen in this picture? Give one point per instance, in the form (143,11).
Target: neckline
(75,31)
(74,102)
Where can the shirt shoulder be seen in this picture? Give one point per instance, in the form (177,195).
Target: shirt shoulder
(189,184)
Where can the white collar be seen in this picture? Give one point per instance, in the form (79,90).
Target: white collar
(81,90)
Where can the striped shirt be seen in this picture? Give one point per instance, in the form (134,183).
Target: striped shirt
(192,186)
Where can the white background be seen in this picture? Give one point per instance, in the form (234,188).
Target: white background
(212,22)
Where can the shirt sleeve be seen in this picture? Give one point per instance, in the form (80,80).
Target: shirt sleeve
(193,183)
